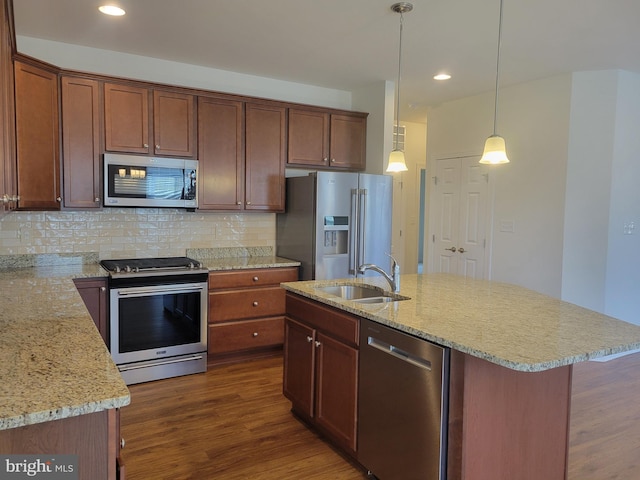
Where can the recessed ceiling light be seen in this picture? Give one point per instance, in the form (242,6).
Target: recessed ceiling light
(111,10)
(442,76)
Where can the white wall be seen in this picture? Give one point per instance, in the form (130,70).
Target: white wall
(529,191)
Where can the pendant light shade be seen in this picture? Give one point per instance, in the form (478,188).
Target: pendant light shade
(495,151)
(397,162)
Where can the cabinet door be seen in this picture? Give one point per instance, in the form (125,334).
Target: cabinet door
(8,187)
(220,154)
(37,134)
(173,124)
(348,141)
(94,295)
(336,390)
(299,377)
(80,142)
(265,157)
(126,118)
(308,142)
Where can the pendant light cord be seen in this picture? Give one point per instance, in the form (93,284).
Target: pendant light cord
(397,133)
(495,111)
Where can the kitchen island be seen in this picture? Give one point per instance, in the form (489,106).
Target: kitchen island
(512,352)
(59,388)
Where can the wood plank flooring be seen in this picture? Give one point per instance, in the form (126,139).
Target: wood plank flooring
(233,423)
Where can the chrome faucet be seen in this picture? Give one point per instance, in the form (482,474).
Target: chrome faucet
(393,279)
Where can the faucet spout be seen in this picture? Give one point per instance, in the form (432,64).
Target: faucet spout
(393,279)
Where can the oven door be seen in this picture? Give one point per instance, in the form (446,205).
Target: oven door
(159,321)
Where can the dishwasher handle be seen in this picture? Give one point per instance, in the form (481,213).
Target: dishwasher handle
(399,353)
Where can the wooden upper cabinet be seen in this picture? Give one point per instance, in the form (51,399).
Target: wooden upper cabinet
(37,134)
(265,153)
(8,186)
(220,154)
(173,124)
(348,141)
(308,138)
(126,119)
(327,140)
(81,142)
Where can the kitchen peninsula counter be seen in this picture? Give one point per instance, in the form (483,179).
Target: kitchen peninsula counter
(505,324)
(53,362)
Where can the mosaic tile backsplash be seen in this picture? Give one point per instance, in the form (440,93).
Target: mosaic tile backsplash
(132,232)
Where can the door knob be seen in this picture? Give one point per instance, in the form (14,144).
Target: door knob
(453,249)
(461,250)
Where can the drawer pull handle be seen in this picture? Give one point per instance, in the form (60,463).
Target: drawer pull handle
(255,334)
(122,442)
(255,279)
(255,304)
(318,344)
(309,339)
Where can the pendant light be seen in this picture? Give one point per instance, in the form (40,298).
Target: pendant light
(494,148)
(396,158)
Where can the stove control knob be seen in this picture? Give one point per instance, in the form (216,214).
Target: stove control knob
(127,269)
(191,266)
(137,269)
(117,269)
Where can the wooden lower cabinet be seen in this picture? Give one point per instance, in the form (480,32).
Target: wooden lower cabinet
(94,437)
(321,368)
(246,313)
(95,297)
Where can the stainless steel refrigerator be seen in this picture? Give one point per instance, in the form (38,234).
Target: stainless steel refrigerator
(335,222)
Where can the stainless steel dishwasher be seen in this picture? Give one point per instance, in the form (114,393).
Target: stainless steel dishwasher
(403,398)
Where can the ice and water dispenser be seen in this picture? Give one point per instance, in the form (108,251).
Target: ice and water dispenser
(336,235)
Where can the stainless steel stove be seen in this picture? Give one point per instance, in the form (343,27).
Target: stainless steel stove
(158,317)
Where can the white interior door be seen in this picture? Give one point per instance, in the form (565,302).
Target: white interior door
(459,209)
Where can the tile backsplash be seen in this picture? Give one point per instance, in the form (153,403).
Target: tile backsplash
(132,232)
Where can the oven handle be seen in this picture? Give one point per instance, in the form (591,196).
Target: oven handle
(125,368)
(131,292)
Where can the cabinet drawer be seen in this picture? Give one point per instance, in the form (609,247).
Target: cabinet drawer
(252,278)
(245,335)
(339,325)
(245,304)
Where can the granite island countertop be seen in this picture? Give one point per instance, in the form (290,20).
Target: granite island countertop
(505,324)
(53,362)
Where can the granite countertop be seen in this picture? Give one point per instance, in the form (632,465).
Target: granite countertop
(505,324)
(240,263)
(53,362)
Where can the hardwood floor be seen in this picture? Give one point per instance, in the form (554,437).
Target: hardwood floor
(232,423)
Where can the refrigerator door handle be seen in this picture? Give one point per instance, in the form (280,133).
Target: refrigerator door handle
(354,225)
(362,217)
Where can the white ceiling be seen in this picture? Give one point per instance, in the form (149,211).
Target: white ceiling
(351,43)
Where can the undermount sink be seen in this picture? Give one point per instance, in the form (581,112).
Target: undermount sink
(361,293)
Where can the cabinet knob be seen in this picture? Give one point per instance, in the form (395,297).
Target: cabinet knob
(255,279)
(5,198)
(103,289)
(248,203)
(333,160)
(58,199)
(255,334)
(255,304)
(239,203)
(325,159)
(158,146)
(309,339)
(145,145)
(122,442)
(97,199)
(318,344)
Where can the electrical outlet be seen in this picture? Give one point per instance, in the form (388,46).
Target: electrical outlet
(628,228)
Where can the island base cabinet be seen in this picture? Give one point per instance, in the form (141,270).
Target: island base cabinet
(506,424)
(321,369)
(93,437)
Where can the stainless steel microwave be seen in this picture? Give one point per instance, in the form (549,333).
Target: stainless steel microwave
(135,181)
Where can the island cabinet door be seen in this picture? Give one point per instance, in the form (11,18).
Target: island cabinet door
(336,390)
(299,352)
